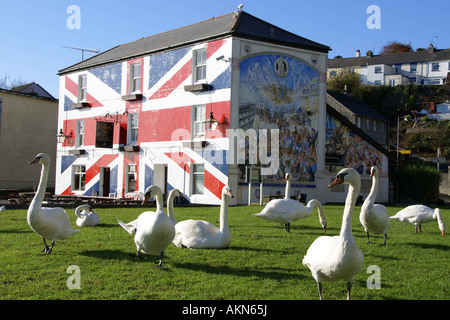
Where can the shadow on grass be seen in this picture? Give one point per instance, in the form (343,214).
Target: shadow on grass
(277,274)
(15,231)
(108,254)
(429,246)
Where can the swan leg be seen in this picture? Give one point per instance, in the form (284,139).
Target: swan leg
(349,288)
(160,265)
(319,287)
(45,245)
(368,240)
(385,238)
(138,256)
(420,228)
(47,250)
(287,227)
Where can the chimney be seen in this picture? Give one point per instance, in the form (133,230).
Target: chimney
(431,48)
(358,53)
(369,53)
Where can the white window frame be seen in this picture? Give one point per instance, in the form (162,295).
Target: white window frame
(198,172)
(135,79)
(199,65)
(131,170)
(378,69)
(131,129)
(82,88)
(197,121)
(435,66)
(80,130)
(78,171)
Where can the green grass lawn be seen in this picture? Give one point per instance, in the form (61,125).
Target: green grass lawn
(262,263)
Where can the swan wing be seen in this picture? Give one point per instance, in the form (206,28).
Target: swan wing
(280,210)
(195,234)
(129,227)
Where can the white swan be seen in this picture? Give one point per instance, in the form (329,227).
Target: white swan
(338,257)
(418,214)
(287,210)
(153,231)
(86,216)
(50,223)
(199,234)
(374,217)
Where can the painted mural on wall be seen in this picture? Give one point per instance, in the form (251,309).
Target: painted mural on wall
(281,92)
(344,145)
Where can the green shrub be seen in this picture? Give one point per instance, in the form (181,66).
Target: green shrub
(418,181)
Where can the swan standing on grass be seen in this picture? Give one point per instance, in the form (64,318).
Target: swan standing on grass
(153,231)
(374,217)
(418,214)
(199,234)
(50,223)
(287,210)
(338,257)
(86,216)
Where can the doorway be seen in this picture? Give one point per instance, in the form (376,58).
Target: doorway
(104,181)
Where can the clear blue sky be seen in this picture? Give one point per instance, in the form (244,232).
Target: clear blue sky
(33,33)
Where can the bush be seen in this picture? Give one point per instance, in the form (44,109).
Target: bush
(418,181)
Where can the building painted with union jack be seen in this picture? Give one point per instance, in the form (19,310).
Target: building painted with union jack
(137,115)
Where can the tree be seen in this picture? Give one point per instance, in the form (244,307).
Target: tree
(344,80)
(6,83)
(396,47)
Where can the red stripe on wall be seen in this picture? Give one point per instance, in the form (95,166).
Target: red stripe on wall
(181,159)
(213,184)
(104,161)
(71,86)
(213,46)
(171,84)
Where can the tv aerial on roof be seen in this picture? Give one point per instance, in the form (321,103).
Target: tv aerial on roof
(83,50)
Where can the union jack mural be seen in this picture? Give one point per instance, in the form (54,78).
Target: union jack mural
(151,117)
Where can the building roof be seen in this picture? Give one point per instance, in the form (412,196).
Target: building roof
(240,24)
(390,59)
(33,88)
(354,105)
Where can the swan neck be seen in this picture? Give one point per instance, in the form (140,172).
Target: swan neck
(373,190)
(224,213)
(159,201)
(287,192)
(346,228)
(170,211)
(313,203)
(40,193)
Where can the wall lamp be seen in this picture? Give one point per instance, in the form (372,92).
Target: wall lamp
(61,137)
(211,123)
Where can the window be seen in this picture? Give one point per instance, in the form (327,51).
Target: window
(378,82)
(79,177)
(377,69)
(374,125)
(333,74)
(199,65)
(133,121)
(413,67)
(135,77)
(79,133)
(131,177)
(82,85)
(198,116)
(392,82)
(435,66)
(368,124)
(198,177)
(397,68)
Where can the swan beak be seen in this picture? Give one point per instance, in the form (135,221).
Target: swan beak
(147,196)
(324,229)
(336,181)
(443,232)
(36,160)
(230,194)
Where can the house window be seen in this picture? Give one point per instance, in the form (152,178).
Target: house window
(377,69)
(378,82)
(131,177)
(78,177)
(413,67)
(135,77)
(368,124)
(198,178)
(374,125)
(133,122)
(82,85)
(392,82)
(198,116)
(333,74)
(199,64)
(435,66)
(397,68)
(80,133)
